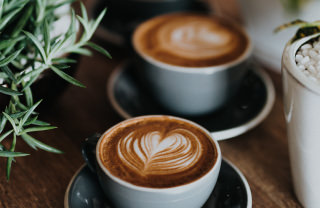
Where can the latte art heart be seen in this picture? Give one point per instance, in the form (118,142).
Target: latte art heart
(156,154)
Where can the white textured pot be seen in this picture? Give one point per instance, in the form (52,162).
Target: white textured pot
(302,113)
(261,17)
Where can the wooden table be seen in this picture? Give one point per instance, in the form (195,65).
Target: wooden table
(40,180)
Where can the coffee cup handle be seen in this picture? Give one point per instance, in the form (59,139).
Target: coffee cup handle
(89,151)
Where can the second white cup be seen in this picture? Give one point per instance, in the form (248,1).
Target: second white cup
(207,59)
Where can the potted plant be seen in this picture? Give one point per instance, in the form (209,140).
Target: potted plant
(301,92)
(29,49)
(261,17)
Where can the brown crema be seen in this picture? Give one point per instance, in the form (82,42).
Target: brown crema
(190,40)
(157,152)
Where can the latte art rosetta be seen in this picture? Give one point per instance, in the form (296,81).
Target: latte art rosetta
(157,151)
(190,40)
(196,39)
(158,154)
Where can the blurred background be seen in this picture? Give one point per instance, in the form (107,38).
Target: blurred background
(259,17)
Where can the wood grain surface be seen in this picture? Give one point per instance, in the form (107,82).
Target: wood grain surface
(40,180)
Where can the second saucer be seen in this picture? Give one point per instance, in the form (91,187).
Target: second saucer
(249,107)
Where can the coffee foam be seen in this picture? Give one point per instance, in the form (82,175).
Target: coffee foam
(157,152)
(190,40)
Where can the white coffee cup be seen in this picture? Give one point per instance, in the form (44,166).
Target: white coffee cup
(302,113)
(123,194)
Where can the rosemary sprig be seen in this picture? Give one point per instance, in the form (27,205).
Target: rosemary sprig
(27,49)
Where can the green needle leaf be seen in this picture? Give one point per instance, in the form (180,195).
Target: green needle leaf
(38,45)
(40,123)
(10,74)
(12,154)
(22,21)
(39,144)
(61,66)
(3,136)
(38,128)
(32,74)
(63,61)
(30,143)
(23,107)
(46,37)
(84,12)
(40,8)
(2,148)
(99,49)
(2,123)
(81,51)
(27,115)
(9,161)
(72,31)
(97,21)
(1,8)
(7,18)
(8,43)
(3,75)
(67,77)
(84,24)
(11,122)
(10,58)
(61,3)
(30,120)
(8,91)
(18,114)
(30,82)
(28,95)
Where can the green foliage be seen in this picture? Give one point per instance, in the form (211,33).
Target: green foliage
(27,49)
(304,28)
(293,6)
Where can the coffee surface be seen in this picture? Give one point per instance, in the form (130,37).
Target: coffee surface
(190,40)
(157,152)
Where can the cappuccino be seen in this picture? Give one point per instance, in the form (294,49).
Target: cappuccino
(190,40)
(157,152)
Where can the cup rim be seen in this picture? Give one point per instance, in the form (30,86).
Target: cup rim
(215,168)
(207,69)
(289,64)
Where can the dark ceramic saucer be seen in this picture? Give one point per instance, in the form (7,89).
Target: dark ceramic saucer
(248,108)
(231,191)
